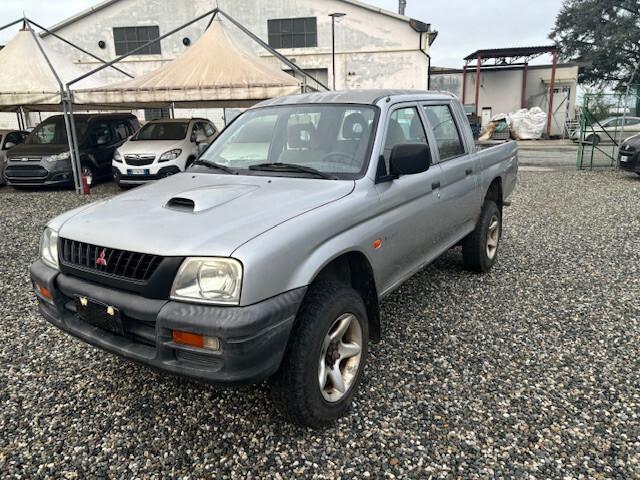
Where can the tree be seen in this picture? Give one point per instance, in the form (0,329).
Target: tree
(604,34)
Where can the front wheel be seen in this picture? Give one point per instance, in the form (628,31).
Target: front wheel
(325,358)
(480,247)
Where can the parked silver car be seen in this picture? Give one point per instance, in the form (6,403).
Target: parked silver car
(269,257)
(8,140)
(608,130)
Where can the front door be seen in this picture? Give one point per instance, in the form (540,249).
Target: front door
(411,218)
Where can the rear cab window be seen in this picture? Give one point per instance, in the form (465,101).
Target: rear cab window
(445,131)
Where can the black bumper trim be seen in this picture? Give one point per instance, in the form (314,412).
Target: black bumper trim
(253,338)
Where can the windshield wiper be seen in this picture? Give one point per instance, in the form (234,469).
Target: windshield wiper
(291,167)
(215,166)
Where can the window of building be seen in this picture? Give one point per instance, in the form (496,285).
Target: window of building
(127,39)
(293,32)
(156,113)
(445,130)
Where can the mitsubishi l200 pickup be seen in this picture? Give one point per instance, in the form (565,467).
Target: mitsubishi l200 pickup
(268,258)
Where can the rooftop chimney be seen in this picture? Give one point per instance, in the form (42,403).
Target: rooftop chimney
(402,6)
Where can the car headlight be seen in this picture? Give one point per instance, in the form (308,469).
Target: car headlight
(208,280)
(170,155)
(56,158)
(117,157)
(49,248)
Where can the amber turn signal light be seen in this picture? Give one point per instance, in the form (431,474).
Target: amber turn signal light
(195,340)
(44,292)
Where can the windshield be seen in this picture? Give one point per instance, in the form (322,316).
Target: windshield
(54,132)
(331,139)
(162,131)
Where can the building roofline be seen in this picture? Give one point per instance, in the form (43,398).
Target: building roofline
(493,68)
(357,3)
(511,52)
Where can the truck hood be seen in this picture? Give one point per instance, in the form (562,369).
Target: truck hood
(156,147)
(194,214)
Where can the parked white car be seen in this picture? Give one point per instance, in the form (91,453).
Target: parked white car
(610,128)
(161,148)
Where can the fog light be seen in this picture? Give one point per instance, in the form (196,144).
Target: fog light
(195,340)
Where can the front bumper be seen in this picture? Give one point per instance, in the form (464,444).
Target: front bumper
(629,160)
(35,174)
(121,176)
(253,338)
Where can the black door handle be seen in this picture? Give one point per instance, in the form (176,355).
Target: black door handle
(435,185)
(468,171)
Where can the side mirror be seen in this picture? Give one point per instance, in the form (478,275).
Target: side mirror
(409,159)
(202,147)
(9,145)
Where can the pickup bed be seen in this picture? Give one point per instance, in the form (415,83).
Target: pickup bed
(268,258)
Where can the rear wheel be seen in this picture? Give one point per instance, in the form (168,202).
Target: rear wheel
(480,247)
(593,139)
(325,358)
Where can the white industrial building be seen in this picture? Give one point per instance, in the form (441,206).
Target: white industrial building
(505,82)
(374,48)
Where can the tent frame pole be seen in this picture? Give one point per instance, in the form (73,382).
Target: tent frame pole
(75,160)
(77,47)
(272,50)
(141,47)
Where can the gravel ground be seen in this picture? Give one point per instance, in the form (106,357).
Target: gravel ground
(530,371)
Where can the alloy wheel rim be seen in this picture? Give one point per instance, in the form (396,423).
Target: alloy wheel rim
(493,237)
(340,358)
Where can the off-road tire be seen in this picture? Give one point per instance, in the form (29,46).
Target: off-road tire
(474,246)
(295,389)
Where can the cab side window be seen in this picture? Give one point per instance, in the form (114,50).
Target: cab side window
(405,126)
(122,130)
(209,129)
(445,130)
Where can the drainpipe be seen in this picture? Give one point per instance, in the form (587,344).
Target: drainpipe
(428,62)
(402,7)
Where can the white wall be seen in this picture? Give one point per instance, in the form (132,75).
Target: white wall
(501,90)
(378,50)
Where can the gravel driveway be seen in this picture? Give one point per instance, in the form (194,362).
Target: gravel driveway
(533,370)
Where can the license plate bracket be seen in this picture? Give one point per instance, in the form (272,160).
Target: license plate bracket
(99,315)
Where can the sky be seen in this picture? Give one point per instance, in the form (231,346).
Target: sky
(464,25)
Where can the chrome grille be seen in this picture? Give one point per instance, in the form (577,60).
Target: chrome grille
(139,160)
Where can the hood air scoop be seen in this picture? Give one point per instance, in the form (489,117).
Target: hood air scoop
(201,199)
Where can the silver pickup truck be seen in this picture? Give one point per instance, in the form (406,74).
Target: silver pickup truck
(269,257)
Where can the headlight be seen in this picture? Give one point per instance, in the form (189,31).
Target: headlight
(56,158)
(170,155)
(117,157)
(208,280)
(49,248)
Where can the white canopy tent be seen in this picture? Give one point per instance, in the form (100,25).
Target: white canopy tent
(215,72)
(28,80)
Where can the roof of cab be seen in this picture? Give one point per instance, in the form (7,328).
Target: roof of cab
(363,97)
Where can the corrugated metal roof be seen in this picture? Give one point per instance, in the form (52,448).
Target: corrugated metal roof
(511,52)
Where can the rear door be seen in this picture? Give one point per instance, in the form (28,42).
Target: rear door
(459,172)
(412,215)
